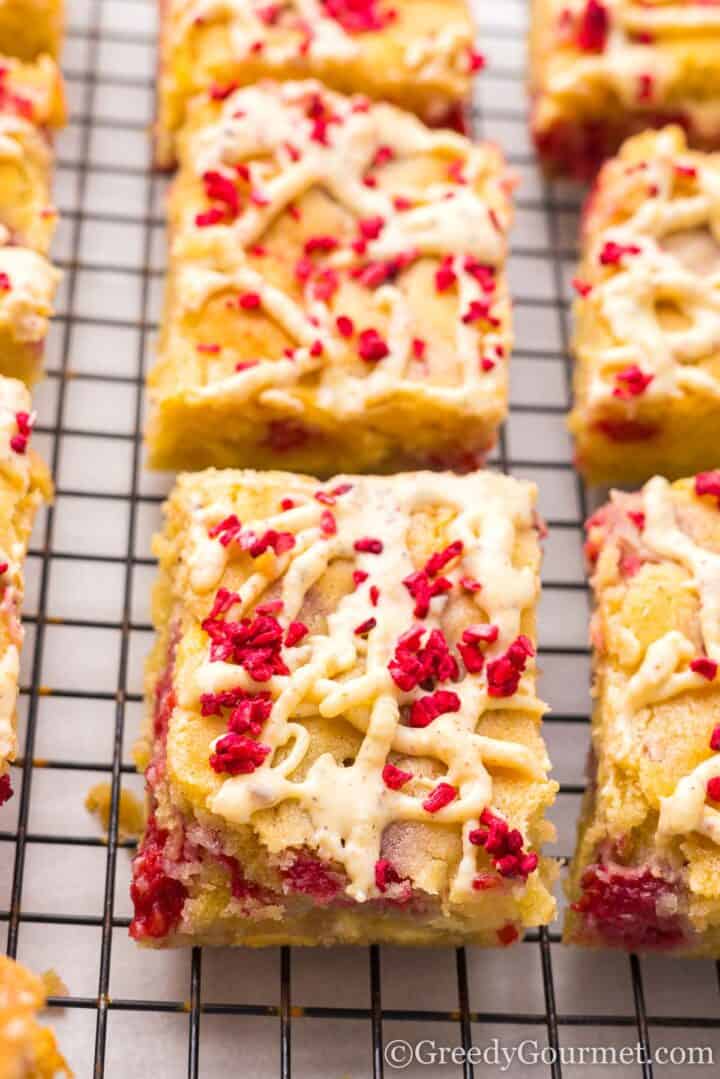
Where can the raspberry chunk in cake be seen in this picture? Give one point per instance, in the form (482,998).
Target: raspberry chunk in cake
(337,296)
(418,54)
(644,876)
(602,70)
(342,740)
(647,340)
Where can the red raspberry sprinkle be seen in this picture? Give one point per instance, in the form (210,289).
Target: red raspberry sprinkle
(612,253)
(328,524)
(316,348)
(689,172)
(269,13)
(374,594)
(417,664)
(441,796)
(418,348)
(287,504)
(504,845)
(394,777)
(5,282)
(485,882)
(583,288)
(479,311)
(249,301)
(423,590)
(715,738)
(255,644)
(368,545)
(321,243)
(4,567)
(359,16)
(237,755)
(213,216)
(440,559)
(382,155)
(476,61)
(708,483)
(227,531)
(372,347)
(401,203)
(24,422)
(503,674)
(326,284)
(295,633)
(220,188)
(360,576)
(593,28)
(445,276)
(713,788)
(245,365)
(221,91)
(273,606)
(705,666)
(455,171)
(212,704)
(365,627)
(426,709)
(371,227)
(211,350)
(631,382)
(345,326)
(638,519)
(469,584)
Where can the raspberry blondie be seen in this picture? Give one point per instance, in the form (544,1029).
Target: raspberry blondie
(602,70)
(31,106)
(645,875)
(342,739)
(28,1050)
(412,53)
(24,483)
(647,340)
(337,296)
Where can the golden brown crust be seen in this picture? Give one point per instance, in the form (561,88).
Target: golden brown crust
(314,842)
(337,295)
(645,873)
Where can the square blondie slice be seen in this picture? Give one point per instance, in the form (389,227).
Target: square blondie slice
(647,320)
(24,484)
(602,70)
(417,54)
(342,738)
(645,874)
(337,298)
(28,1050)
(31,106)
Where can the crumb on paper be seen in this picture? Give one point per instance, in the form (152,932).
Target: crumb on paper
(131,811)
(53,984)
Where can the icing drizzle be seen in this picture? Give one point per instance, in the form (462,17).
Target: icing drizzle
(338,672)
(447,221)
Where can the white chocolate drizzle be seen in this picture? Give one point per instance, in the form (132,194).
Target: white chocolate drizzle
(665,670)
(447,220)
(339,673)
(632,297)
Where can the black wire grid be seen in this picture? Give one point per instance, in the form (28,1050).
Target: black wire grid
(63,888)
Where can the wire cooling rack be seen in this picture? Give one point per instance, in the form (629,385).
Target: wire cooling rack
(63,888)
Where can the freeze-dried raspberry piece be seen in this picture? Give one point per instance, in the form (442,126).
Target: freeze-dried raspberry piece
(593,27)
(237,755)
(439,703)
(504,674)
(418,664)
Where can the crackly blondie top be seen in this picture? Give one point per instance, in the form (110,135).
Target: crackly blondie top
(602,69)
(337,294)
(647,337)
(646,872)
(24,483)
(343,739)
(28,1050)
(415,53)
